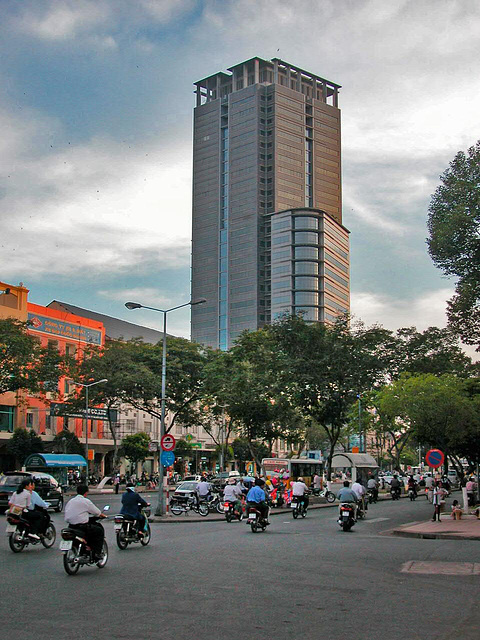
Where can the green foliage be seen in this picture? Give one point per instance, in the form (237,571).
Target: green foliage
(67,442)
(135,447)
(24,364)
(183,448)
(454,242)
(23,443)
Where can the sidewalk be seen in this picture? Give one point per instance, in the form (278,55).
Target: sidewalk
(468,528)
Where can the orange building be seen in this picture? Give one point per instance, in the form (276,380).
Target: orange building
(70,334)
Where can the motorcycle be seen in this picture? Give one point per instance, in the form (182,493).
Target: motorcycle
(412,494)
(298,507)
(76,551)
(127,530)
(395,493)
(19,536)
(277,497)
(361,510)
(255,519)
(215,502)
(231,513)
(346,519)
(189,504)
(325,493)
(372,495)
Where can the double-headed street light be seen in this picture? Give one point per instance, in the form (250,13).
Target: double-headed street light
(87,386)
(161,506)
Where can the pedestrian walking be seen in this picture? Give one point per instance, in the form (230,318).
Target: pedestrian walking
(116,482)
(470,487)
(439,494)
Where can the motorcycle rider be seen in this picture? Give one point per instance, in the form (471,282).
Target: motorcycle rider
(372,485)
(411,484)
(317,483)
(395,485)
(131,503)
(202,490)
(77,513)
(233,493)
(22,498)
(257,498)
(348,495)
(360,490)
(40,507)
(299,491)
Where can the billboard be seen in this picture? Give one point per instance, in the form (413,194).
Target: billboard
(94,413)
(68,330)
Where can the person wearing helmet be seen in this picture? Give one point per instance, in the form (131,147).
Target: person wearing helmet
(131,503)
(233,493)
(300,491)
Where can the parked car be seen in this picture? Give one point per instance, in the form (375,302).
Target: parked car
(196,478)
(47,487)
(184,490)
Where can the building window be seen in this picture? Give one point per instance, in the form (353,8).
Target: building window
(310,268)
(7,418)
(306,252)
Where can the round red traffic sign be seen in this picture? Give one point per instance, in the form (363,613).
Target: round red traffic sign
(167,442)
(434,458)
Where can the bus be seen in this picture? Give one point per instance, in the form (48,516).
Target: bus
(292,468)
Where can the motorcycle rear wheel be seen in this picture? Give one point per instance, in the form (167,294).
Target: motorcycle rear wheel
(228,517)
(101,563)
(254,527)
(176,509)
(122,542)
(48,540)
(346,526)
(16,543)
(295,513)
(330,497)
(69,565)
(147,536)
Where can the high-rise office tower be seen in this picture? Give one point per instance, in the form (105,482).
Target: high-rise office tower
(267,205)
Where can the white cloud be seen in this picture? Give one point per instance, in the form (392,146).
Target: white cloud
(64,19)
(424,311)
(144,295)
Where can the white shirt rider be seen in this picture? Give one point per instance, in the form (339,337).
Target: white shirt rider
(79,509)
(203,488)
(359,489)
(299,488)
(232,493)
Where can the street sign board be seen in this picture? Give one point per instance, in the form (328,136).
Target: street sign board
(153,446)
(91,454)
(167,458)
(189,437)
(59,409)
(434,458)
(167,442)
(196,445)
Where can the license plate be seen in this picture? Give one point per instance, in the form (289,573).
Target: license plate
(66,545)
(345,513)
(11,528)
(293,505)
(117,527)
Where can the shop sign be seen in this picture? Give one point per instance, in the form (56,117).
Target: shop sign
(67,330)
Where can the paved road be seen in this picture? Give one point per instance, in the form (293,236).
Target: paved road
(302,579)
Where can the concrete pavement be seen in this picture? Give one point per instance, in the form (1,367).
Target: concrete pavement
(468,528)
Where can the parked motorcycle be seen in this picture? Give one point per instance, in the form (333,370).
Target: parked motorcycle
(231,513)
(76,552)
(127,530)
(346,518)
(189,504)
(325,493)
(215,502)
(19,533)
(256,520)
(298,508)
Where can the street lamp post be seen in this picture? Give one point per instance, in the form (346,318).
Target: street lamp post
(87,386)
(161,506)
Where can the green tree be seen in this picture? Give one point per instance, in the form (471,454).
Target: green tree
(23,443)
(24,364)
(323,368)
(454,239)
(67,442)
(135,447)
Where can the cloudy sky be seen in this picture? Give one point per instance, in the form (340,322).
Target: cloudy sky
(96,138)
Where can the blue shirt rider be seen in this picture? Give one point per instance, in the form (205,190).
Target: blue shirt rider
(257,496)
(131,503)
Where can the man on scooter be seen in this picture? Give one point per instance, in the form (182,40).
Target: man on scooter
(347,495)
(77,513)
(131,503)
(300,490)
(257,498)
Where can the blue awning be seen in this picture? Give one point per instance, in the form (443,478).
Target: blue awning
(39,460)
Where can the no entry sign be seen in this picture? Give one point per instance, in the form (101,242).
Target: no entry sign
(434,458)
(167,442)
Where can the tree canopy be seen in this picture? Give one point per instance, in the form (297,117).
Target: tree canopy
(454,239)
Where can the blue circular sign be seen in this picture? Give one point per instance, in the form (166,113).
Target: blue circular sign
(434,458)
(167,458)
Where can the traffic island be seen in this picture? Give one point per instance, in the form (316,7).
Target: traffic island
(468,528)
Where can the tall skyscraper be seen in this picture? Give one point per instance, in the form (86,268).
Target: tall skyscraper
(267,232)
